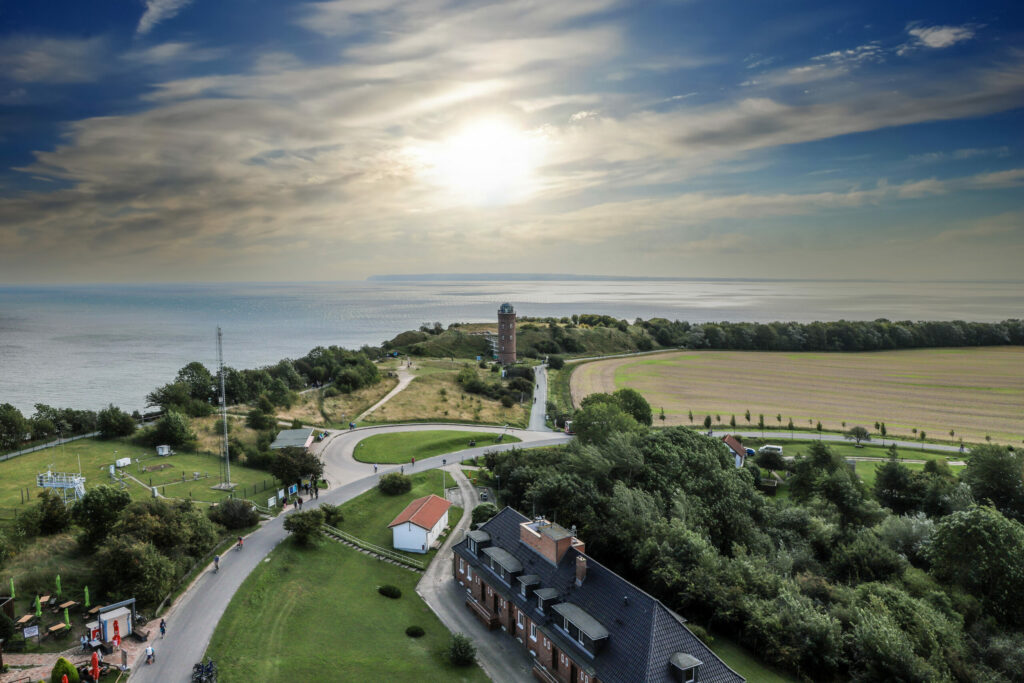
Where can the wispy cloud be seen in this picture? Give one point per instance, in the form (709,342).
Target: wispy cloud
(157,11)
(52,60)
(940,36)
(173,52)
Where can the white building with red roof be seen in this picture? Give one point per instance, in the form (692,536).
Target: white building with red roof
(420,524)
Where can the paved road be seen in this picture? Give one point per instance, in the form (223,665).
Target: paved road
(540,398)
(193,618)
(501,657)
(780,435)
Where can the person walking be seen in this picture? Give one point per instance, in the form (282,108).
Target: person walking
(163,628)
(298,501)
(375,468)
(216,563)
(414,461)
(316,492)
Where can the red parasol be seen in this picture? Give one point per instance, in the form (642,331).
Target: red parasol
(117,634)
(95,666)
(64,678)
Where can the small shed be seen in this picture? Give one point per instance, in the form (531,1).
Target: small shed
(163,450)
(738,451)
(293,438)
(420,524)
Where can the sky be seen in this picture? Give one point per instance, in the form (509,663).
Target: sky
(245,140)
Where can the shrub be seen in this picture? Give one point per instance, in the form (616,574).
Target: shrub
(64,668)
(701,633)
(507,401)
(556,362)
(483,512)
(389,591)
(7,627)
(114,422)
(234,513)
(461,651)
(305,526)
(54,515)
(394,484)
(414,632)
(332,514)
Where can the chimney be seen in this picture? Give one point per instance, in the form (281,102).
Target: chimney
(581,569)
(548,540)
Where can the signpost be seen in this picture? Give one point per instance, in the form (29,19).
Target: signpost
(272,501)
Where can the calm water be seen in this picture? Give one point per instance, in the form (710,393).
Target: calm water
(86,346)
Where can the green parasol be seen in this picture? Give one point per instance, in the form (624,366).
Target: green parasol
(87,597)
(39,608)
(12,587)
(58,585)
(67,619)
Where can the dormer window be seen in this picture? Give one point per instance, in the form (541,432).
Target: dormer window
(581,627)
(685,667)
(503,563)
(475,540)
(471,544)
(545,598)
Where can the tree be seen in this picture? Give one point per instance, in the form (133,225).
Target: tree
(858,434)
(259,420)
(996,476)
(393,484)
(635,405)
(771,460)
(114,422)
(691,416)
(198,379)
(97,512)
(13,427)
(760,423)
(296,464)
(127,567)
(661,416)
(234,513)
(882,430)
(461,651)
(982,551)
(597,423)
(556,362)
(819,429)
(707,422)
(175,430)
(732,421)
(305,526)
(54,516)
(747,416)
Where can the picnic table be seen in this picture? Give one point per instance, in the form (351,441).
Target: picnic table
(67,605)
(57,628)
(44,599)
(25,620)
(95,609)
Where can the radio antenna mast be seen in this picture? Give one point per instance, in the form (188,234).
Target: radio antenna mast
(223,407)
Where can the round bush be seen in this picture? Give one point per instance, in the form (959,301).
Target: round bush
(389,591)
(461,651)
(394,484)
(64,668)
(414,631)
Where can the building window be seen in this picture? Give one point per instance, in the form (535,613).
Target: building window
(690,675)
(462,566)
(469,573)
(533,631)
(540,604)
(519,620)
(471,544)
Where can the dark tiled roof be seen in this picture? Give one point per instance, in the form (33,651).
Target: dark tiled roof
(643,633)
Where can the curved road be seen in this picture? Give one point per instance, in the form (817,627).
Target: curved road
(193,618)
(786,435)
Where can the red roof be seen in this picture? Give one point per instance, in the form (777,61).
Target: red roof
(423,512)
(737,448)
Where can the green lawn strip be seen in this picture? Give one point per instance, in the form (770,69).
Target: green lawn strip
(868,470)
(848,449)
(97,455)
(559,387)
(367,516)
(740,660)
(312,615)
(401,447)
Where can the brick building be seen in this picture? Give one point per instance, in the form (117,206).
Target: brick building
(506,334)
(580,622)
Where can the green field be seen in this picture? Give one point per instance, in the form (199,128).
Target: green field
(96,456)
(867,471)
(848,449)
(316,615)
(367,516)
(745,664)
(973,392)
(403,446)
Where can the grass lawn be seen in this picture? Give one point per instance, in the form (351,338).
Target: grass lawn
(973,391)
(316,615)
(867,471)
(367,516)
(848,449)
(745,664)
(435,396)
(401,447)
(96,456)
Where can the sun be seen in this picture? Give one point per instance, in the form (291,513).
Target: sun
(487,162)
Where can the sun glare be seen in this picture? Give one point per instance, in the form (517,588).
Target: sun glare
(487,162)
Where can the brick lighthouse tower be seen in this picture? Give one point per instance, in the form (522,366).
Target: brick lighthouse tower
(506,334)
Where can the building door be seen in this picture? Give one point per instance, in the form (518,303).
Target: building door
(554,658)
(574,675)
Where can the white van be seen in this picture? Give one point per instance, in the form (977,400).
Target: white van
(768,448)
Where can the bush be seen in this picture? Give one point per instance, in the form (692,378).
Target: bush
(389,591)
(113,422)
(394,484)
(64,668)
(54,515)
(461,651)
(414,632)
(7,627)
(305,526)
(332,514)
(556,362)
(507,401)
(175,430)
(234,513)
(701,633)
(483,512)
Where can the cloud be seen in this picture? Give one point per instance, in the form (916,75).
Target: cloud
(940,36)
(157,11)
(173,52)
(1000,152)
(52,60)
(1010,223)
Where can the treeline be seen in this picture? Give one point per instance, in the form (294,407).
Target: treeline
(195,391)
(519,384)
(48,422)
(830,585)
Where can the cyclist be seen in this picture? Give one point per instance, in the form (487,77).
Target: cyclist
(239,546)
(216,563)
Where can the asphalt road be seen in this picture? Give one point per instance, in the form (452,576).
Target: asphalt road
(193,618)
(780,435)
(540,398)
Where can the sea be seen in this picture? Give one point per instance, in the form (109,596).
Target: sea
(86,346)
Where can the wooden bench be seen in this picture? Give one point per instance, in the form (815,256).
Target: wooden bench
(25,620)
(58,629)
(67,605)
